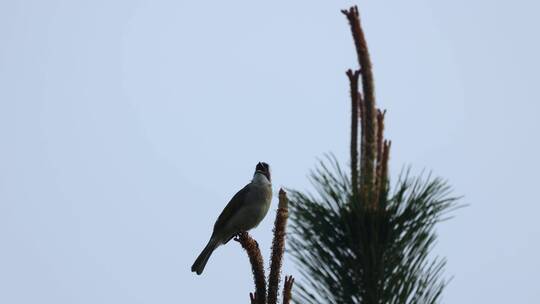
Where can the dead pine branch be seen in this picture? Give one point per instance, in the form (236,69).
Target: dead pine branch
(355,100)
(372,119)
(260,295)
(278,247)
(257,266)
(287,287)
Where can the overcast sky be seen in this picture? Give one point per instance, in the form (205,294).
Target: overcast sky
(126,126)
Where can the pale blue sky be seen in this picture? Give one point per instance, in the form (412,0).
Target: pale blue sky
(125,127)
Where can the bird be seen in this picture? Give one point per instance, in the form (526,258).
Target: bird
(245,211)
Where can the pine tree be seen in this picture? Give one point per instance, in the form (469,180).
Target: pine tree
(358,240)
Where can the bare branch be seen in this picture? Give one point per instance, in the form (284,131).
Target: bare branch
(257,265)
(368,107)
(379,178)
(278,247)
(287,287)
(383,186)
(355,100)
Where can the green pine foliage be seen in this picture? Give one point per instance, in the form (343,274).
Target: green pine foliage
(348,252)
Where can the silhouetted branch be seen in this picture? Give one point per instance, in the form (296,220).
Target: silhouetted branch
(355,100)
(380,180)
(287,287)
(257,266)
(383,175)
(278,246)
(369,112)
(252,298)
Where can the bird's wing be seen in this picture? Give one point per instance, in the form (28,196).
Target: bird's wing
(232,207)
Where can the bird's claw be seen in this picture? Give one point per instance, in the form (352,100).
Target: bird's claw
(237,236)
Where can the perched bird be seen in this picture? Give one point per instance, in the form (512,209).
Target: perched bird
(245,211)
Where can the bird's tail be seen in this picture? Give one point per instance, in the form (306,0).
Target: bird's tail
(201,261)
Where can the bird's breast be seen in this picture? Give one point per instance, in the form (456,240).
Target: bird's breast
(258,201)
